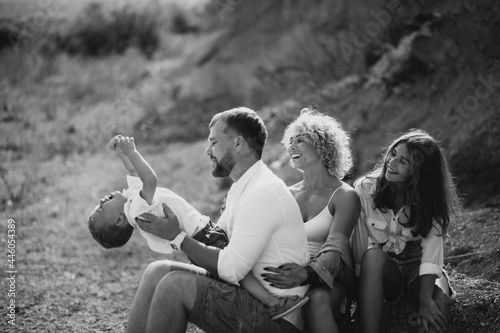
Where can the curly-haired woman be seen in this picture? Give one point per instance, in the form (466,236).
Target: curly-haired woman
(319,148)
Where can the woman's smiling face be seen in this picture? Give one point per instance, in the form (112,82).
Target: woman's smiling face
(399,164)
(301,152)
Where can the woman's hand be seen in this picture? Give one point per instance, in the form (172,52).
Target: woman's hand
(285,276)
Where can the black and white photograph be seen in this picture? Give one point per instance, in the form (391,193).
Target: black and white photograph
(239,166)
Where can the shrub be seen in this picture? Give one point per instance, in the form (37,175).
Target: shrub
(7,37)
(181,25)
(97,32)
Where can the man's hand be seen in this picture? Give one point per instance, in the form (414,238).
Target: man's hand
(164,227)
(286,276)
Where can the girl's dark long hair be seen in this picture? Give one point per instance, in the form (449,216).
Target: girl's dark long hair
(431,192)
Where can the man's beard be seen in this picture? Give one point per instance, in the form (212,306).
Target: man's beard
(223,167)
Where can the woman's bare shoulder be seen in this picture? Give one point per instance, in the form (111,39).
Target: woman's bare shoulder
(345,194)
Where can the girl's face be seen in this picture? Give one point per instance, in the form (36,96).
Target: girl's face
(399,164)
(301,152)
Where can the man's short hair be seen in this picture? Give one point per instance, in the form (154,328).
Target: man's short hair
(247,123)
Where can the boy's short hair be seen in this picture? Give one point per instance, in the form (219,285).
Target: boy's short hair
(110,237)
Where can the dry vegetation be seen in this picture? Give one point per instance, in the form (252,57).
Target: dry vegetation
(59,109)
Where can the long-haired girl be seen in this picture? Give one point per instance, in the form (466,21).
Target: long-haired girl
(407,203)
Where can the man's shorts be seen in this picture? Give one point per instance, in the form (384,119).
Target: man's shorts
(221,307)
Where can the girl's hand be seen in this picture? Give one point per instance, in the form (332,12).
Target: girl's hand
(285,276)
(431,315)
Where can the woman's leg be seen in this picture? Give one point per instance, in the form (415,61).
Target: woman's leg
(323,307)
(380,277)
(153,274)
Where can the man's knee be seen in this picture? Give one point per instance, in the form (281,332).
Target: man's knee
(178,287)
(178,280)
(154,273)
(157,269)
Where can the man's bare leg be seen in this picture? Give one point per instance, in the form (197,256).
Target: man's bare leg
(172,302)
(153,274)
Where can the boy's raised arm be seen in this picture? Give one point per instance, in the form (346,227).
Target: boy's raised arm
(113,145)
(149,180)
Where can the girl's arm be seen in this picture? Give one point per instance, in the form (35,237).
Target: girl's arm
(428,310)
(430,269)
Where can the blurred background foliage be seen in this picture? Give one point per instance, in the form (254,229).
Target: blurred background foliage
(160,70)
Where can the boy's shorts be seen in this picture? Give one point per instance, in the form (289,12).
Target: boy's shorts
(222,307)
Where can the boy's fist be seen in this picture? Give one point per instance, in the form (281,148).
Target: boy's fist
(127,145)
(113,143)
(122,144)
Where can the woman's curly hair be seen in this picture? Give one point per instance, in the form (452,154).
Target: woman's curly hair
(325,133)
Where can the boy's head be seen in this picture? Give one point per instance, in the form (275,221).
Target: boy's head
(107,222)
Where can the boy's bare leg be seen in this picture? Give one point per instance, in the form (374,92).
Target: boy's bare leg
(277,306)
(257,290)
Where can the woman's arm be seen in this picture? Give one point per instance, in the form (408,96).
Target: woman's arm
(286,276)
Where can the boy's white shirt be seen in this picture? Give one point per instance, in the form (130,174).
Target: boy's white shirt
(190,220)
